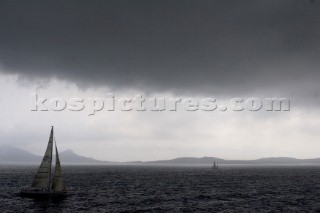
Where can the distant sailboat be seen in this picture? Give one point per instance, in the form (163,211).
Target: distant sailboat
(42,184)
(215,165)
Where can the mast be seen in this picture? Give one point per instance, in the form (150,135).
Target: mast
(50,160)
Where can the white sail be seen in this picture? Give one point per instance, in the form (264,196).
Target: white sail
(58,184)
(42,178)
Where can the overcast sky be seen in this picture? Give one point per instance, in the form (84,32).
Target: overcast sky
(162,48)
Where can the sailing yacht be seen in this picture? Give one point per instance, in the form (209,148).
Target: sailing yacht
(42,184)
(215,165)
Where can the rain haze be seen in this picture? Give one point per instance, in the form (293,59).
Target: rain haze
(172,49)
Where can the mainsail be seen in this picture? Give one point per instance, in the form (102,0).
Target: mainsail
(42,178)
(57,184)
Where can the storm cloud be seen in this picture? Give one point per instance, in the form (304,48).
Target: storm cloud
(164,45)
(162,48)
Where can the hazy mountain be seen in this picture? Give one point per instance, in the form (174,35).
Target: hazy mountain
(189,160)
(13,155)
(210,160)
(69,157)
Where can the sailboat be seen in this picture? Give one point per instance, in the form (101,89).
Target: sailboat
(215,165)
(42,184)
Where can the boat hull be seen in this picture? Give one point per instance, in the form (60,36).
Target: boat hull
(42,194)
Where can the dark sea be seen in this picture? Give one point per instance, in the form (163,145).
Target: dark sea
(169,189)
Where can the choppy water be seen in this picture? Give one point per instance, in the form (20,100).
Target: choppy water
(170,189)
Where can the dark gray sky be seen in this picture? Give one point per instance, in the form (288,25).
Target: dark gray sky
(215,48)
(184,45)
